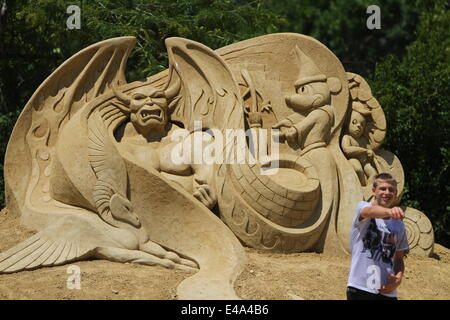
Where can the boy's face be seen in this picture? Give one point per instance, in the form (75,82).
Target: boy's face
(385,194)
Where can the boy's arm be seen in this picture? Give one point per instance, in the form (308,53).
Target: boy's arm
(399,265)
(379,212)
(396,278)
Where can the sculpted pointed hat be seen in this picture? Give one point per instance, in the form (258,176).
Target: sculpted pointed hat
(309,72)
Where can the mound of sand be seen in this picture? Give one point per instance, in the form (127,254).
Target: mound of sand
(266,276)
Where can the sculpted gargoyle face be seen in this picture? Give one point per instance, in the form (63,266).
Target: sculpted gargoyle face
(148,108)
(310,95)
(357,125)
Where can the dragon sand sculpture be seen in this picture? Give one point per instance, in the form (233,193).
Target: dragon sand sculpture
(90,162)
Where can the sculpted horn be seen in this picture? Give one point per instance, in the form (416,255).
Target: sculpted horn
(173,90)
(124,98)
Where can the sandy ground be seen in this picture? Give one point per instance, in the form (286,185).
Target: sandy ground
(266,276)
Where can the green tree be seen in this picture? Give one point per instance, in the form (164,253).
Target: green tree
(341,26)
(35,39)
(414,92)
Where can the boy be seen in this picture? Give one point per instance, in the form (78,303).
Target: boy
(377,243)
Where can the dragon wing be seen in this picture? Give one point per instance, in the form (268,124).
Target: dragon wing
(31,149)
(209,91)
(63,241)
(111,186)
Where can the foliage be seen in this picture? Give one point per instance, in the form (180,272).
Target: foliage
(7,122)
(37,41)
(341,26)
(414,93)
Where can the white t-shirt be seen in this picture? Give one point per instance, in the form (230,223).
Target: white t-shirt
(373,243)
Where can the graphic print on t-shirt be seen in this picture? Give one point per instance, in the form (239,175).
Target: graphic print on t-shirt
(380,243)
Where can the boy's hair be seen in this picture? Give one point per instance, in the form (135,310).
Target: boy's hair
(384,177)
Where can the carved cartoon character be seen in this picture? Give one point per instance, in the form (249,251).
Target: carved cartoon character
(355,145)
(311,92)
(313,95)
(357,125)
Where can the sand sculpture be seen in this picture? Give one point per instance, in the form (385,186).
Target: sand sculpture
(92,162)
